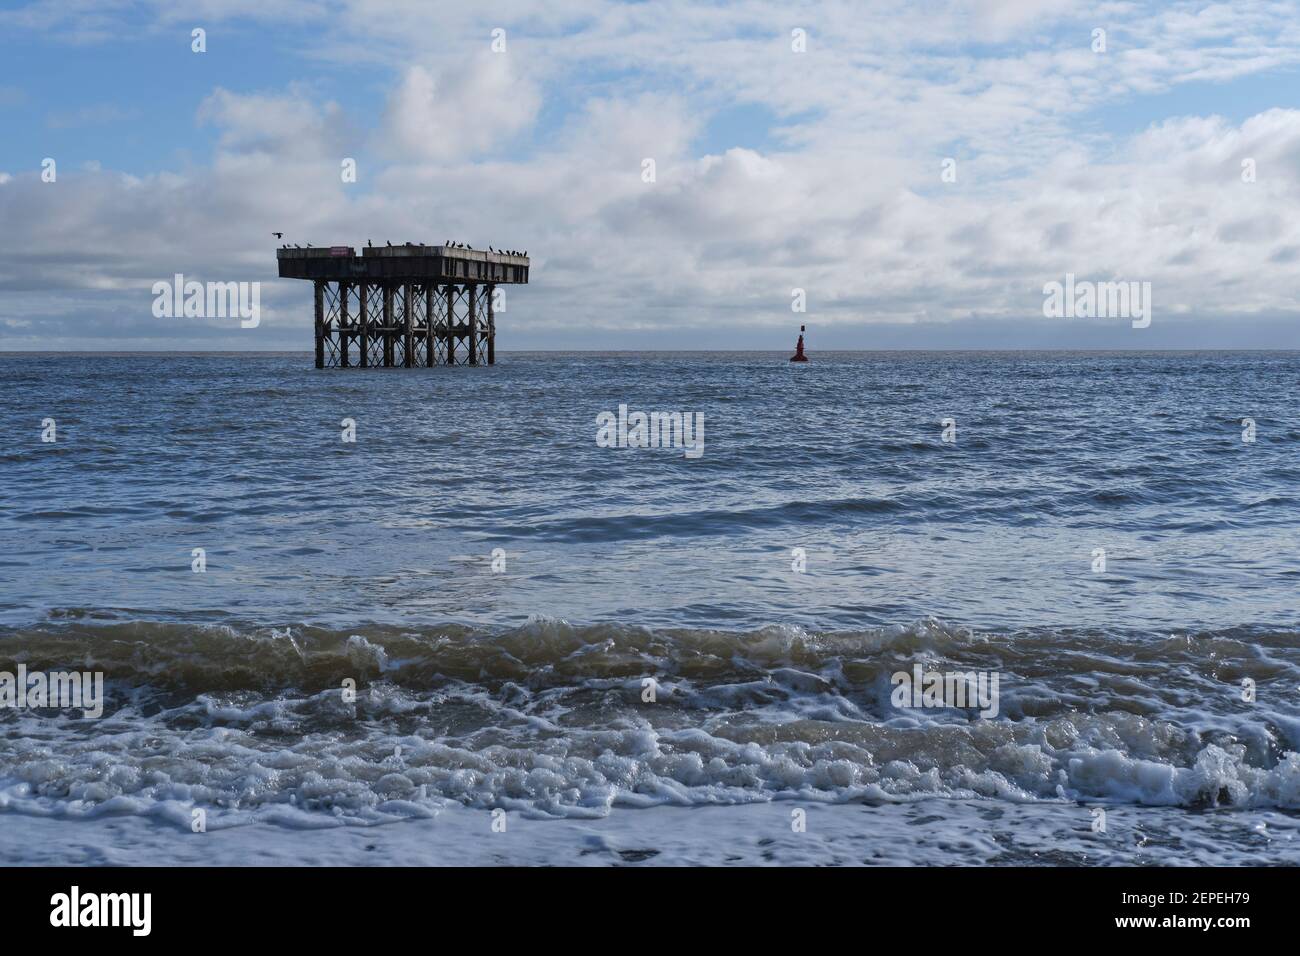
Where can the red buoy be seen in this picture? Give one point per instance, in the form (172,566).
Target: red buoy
(798,349)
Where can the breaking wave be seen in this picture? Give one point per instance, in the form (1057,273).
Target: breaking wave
(261,724)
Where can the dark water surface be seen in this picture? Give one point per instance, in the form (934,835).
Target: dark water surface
(1056,455)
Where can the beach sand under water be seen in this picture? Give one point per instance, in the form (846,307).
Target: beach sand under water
(934,833)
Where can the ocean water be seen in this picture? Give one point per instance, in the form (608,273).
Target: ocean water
(1163,690)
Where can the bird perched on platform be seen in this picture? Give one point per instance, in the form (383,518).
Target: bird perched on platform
(390,245)
(278,235)
(368,245)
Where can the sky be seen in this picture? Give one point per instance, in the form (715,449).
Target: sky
(916,173)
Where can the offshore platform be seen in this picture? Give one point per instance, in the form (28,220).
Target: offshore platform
(407,306)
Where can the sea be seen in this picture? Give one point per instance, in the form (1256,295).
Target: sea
(430,616)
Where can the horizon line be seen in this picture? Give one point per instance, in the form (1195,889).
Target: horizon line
(641,351)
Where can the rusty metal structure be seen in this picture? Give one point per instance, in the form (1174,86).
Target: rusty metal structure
(408,306)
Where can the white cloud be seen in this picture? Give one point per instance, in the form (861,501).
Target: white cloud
(292,124)
(465,110)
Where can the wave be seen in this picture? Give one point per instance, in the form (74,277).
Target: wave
(225,656)
(556,719)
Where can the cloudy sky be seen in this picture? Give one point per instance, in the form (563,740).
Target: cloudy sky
(776,168)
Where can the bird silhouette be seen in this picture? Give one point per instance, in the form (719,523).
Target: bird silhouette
(296,246)
(368,245)
(390,245)
(278,235)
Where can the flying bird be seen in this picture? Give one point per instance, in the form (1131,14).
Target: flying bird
(278,235)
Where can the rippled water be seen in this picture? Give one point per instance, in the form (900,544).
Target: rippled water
(372,561)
